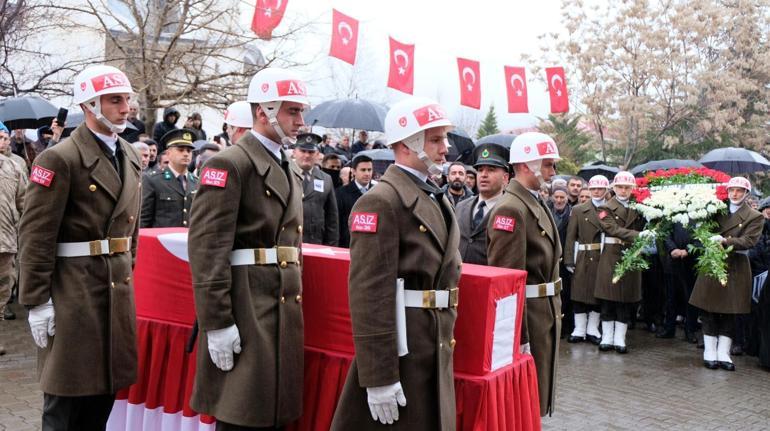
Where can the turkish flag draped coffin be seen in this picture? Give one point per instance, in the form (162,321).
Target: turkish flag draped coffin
(470,82)
(267,15)
(557,88)
(344,37)
(401,75)
(516,86)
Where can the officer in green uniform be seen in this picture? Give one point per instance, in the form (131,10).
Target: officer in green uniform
(168,193)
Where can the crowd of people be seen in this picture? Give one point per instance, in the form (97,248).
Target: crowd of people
(253,194)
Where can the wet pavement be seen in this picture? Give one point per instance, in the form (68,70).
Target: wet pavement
(659,385)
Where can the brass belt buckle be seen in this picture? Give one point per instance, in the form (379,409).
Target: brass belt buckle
(95,248)
(288,254)
(542,289)
(428,299)
(118,245)
(454,296)
(557,287)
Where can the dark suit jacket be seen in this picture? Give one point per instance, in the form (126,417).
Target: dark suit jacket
(346,198)
(320,211)
(473,242)
(164,202)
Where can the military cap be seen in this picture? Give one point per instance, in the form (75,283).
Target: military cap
(308,141)
(490,155)
(179,138)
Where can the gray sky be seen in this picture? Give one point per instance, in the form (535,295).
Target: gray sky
(493,32)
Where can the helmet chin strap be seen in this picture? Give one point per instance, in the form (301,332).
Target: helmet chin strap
(416,143)
(95,106)
(271,110)
(534,166)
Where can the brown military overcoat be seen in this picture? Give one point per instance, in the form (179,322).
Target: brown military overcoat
(583,228)
(741,230)
(94,349)
(256,204)
(412,241)
(532,245)
(625,223)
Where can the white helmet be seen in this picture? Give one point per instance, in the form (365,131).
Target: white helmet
(531,148)
(238,114)
(272,86)
(407,122)
(739,182)
(598,182)
(624,178)
(95,81)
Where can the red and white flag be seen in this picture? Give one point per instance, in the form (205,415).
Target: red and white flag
(557,87)
(401,75)
(470,82)
(344,37)
(267,15)
(516,85)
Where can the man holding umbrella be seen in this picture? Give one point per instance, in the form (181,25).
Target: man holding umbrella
(78,241)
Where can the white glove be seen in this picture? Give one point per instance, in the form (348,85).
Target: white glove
(384,402)
(41,323)
(570,268)
(222,344)
(524,349)
(717,238)
(647,233)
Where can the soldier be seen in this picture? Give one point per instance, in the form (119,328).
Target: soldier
(245,234)
(318,201)
(78,241)
(473,214)
(581,256)
(168,193)
(741,229)
(238,120)
(522,235)
(404,229)
(620,226)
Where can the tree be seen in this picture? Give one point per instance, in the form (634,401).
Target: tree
(28,63)
(489,125)
(188,52)
(668,73)
(573,143)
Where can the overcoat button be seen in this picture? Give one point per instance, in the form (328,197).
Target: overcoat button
(128,279)
(740,224)
(283,300)
(267,192)
(586,218)
(130,219)
(284,264)
(299,228)
(542,233)
(184,222)
(452,343)
(112,285)
(184,210)
(423,229)
(92,187)
(298,299)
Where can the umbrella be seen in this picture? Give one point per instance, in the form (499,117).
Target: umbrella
(665,164)
(461,146)
(381,158)
(504,139)
(77,118)
(29,112)
(587,171)
(348,114)
(734,160)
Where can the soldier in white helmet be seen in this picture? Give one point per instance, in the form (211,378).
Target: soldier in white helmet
(581,257)
(620,226)
(244,248)
(78,241)
(522,234)
(404,229)
(238,120)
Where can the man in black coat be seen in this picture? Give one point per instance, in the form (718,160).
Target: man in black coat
(170,117)
(680,286)
(363,168)
(320,218)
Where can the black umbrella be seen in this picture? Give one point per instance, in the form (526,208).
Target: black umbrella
(734,160)
(381,159)
(587,171)
(348,114)
(29,112)
(504,139)
(461,146)
(75,119)
(664,164)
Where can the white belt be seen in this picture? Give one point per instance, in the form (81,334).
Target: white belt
(743,252)
(544,289)
(265,256)
(93,248)
(431,298)
(612,240)
(587,247)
